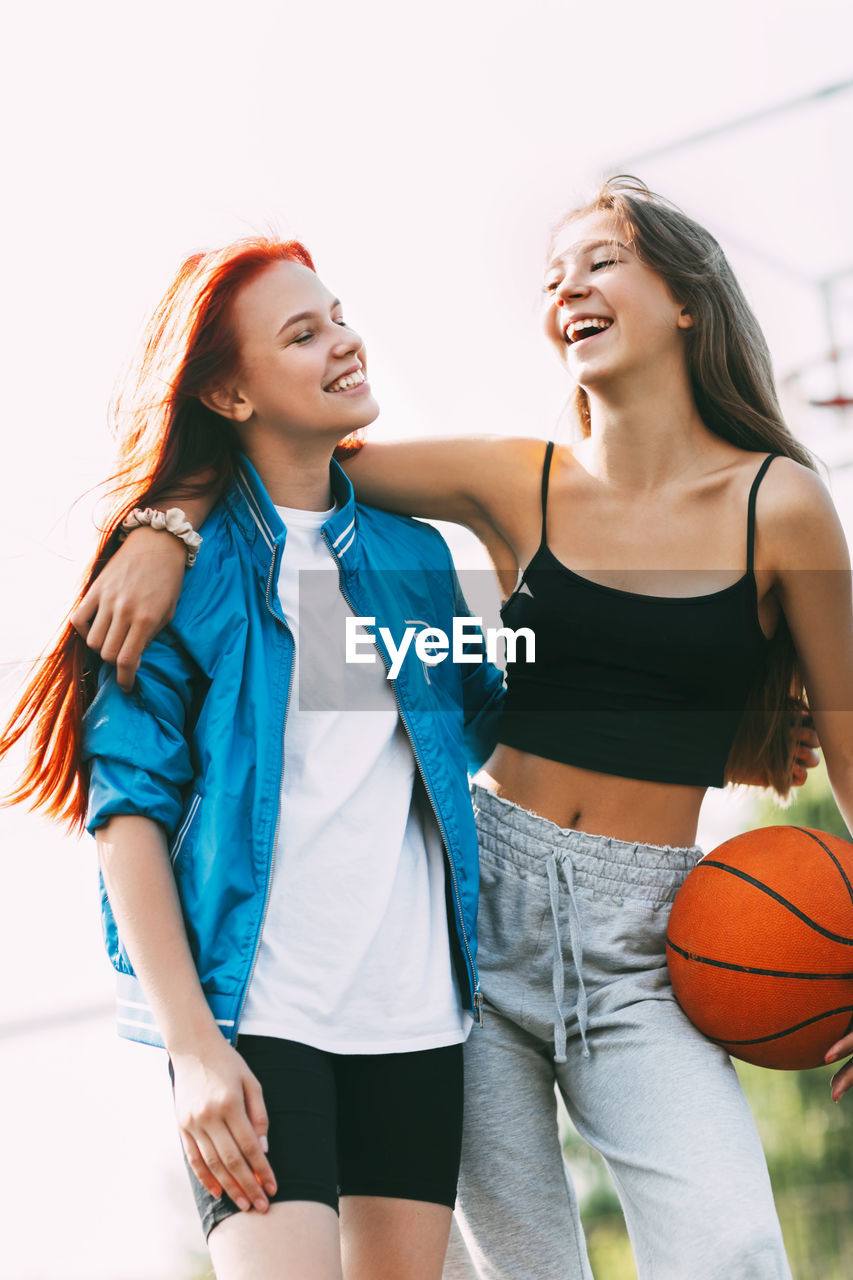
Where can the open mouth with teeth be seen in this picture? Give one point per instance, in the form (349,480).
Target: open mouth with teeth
(579,330)
(347,382)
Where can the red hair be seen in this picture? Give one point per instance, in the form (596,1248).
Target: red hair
(170,444)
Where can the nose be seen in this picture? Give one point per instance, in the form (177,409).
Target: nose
(347,339)
(573,285)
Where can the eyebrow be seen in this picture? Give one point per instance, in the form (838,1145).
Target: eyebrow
(587,246)
(305,315)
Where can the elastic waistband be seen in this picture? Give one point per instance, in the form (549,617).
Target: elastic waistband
(524,841)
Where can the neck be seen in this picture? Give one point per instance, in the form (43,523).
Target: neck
(294,475)
(645,435)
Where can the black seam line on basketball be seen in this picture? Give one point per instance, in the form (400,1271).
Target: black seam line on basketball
(787,1031)
(771,893)
(745,968)
(805,831)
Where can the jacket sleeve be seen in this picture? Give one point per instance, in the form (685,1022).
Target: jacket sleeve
(482,691)
(136,743)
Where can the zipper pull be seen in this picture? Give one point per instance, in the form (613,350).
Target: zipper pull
(478,1007)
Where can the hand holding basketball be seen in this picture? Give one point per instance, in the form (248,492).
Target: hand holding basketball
(760,948)
(843,1079)
(805,752)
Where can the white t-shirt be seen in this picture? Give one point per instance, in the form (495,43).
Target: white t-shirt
(354,955)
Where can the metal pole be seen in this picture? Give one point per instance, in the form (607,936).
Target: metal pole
(728,126)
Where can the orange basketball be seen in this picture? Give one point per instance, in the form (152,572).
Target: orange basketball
(760,945)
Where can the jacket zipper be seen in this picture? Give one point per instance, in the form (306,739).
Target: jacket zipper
(477,996)
(277,817)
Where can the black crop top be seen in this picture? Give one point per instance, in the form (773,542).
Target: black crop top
(641,686)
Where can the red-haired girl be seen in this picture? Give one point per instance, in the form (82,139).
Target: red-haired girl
(685,575)
(286,839)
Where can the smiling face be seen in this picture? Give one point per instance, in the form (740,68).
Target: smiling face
(302,367)
(607,313)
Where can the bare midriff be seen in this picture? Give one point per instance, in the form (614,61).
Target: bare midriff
(658,813)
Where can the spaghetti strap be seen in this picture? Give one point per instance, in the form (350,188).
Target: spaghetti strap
(522,573)
(750,514)
(546,473)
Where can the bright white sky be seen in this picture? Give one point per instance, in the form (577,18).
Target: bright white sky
(422,155)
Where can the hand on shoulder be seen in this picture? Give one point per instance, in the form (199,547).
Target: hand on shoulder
(133,598)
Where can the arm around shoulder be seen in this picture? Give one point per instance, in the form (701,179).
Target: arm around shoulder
(133,597)
(477,481)
(135,594)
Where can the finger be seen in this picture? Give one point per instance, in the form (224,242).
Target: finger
(199,1168)
(226,1161)
(251,1147)
(99,629)
(808,738)
(807,758)
(126,674)
(115,637)
(99,623)
(799,777)
(82,616)
(130,654)
(217,1169)
(841,1082)
(102,625)
(840,1049)
(799,711)
(253,1136)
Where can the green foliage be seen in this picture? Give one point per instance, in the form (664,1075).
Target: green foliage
(606,1237)
(201,1268)
(807,1141)
(812,806)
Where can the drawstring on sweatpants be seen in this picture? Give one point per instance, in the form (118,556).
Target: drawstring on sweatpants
(576,945)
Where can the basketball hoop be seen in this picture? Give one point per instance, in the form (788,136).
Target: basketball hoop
(835,402)
(817,401)
(823,383)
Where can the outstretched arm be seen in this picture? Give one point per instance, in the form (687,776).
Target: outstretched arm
(475,481)
(490,484)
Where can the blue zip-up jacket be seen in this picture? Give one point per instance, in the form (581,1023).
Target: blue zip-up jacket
(197,745)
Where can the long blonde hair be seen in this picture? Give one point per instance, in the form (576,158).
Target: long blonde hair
(732,380)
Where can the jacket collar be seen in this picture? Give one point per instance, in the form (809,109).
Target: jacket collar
(262,525)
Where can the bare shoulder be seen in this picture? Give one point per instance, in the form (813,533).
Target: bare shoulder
(796,520)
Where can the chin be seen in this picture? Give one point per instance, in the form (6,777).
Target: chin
(369,414)
(594,376)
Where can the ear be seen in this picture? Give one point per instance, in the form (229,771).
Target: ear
(228,403)
(685,319)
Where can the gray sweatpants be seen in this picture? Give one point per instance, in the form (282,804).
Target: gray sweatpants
(572,961)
